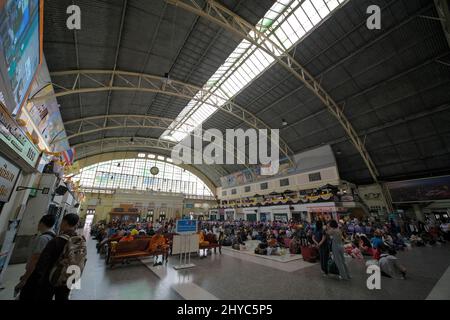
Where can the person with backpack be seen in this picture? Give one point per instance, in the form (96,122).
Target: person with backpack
(38,244)
(56,263)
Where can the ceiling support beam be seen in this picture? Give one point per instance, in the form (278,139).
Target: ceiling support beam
(95,158)
(90,148)
(131,81)
(137,122)
(443,9)
(227,19)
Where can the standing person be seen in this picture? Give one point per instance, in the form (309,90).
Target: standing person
(50,273)
(46,233)
(337,248)
(321,240)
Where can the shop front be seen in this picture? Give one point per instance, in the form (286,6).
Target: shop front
(230,214)
(213,215)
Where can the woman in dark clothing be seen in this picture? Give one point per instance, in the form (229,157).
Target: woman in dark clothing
(321,241)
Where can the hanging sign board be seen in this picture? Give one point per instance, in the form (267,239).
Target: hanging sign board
(8,177)
(13,136)
(186,226)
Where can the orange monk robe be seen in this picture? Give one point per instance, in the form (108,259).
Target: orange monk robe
(201,239)
(157,241)
(127,239)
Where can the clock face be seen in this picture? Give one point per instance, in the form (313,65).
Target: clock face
(154,171)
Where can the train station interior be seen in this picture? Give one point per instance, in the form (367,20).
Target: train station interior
(224,150)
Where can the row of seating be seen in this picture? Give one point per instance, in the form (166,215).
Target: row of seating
(148,246)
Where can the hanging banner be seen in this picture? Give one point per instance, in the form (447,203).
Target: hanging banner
(8,177)
(45,114)
(420,190)
(13,136)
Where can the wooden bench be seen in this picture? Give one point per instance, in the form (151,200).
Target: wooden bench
(105,249)
(213,243)
(120,251)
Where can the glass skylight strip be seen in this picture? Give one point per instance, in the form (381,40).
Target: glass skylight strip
(285,23)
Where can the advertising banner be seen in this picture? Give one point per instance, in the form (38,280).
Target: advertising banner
(20,50)
(45,114)
(420,190)
(13,136)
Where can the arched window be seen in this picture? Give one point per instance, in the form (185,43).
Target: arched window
(135,174)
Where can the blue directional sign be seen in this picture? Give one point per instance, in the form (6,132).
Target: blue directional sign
(186,226)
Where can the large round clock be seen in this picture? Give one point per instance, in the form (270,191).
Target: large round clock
(154,171)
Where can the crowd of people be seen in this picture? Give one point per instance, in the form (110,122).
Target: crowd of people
(333,240)
(330,240)
(115,231)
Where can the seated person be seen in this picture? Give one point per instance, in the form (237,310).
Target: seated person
(272,246)
(236,245)
(399,244)
(157,243)
(388,240)
(114,237)
(365,246)
(201,239)
(390,265)
(127,237)
(377,240)
(262,248)
(295,246)
(416,240)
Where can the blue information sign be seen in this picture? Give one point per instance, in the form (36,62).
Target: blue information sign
(186,226)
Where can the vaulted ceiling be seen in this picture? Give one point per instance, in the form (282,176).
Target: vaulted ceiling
(393,84)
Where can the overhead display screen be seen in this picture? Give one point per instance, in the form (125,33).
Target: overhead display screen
(20,50)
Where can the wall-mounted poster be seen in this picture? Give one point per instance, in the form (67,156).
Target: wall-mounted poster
(8,177)
(45,114)
(14,138)
(420,190)
(20,50)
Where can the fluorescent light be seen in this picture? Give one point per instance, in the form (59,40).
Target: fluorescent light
(285,23)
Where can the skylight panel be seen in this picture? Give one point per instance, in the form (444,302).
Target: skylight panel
(285,23)
(311,12)
(322,9)
(332,4)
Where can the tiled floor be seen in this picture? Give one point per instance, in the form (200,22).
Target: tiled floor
(240,276)
(231,278)
(123,282)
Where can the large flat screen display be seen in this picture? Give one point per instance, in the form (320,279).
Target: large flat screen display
(20,50)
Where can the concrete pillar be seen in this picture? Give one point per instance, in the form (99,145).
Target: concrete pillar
(420,216)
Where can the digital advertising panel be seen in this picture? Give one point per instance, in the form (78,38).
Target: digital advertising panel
(20,50)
